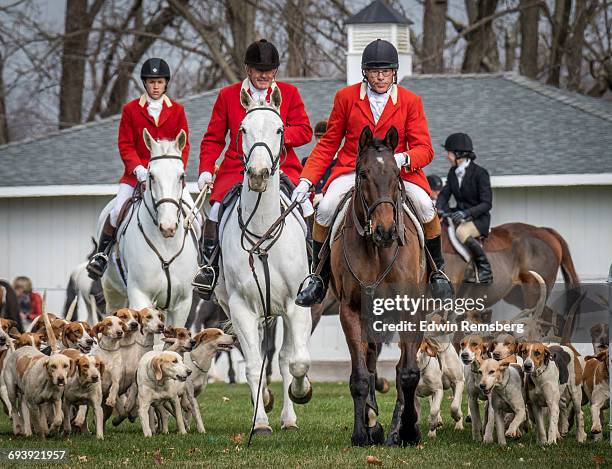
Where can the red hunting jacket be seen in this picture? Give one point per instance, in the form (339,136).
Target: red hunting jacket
(227,115)
(134,119)
(351,113)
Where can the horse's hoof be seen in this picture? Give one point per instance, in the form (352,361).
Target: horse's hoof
(382,385)
(117,420)
(376,434)
(410,436)
(289,426)
(262,430)
(301,400)
(360,439)
(268,406)
(392,439)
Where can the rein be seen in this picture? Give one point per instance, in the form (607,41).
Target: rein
(365,231)
(271,236)
(165,264)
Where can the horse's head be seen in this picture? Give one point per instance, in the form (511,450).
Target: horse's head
(378,186)
(165,180)
(263,133)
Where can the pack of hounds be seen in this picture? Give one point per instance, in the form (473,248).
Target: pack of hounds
(113,369)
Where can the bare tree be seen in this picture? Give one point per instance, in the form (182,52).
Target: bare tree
(560,30)
(481,53)
(529,19)
(135,53)
(584,13)
(434,33)
(77,23)
(241,19)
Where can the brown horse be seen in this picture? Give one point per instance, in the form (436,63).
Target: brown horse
(513,250)
(370,233)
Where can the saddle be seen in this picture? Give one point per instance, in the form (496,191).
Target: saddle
(497,240)
(125,209)
(286,190)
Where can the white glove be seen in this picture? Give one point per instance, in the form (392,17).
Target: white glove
(402,159)
(141,173)
(301,192)
(204,179)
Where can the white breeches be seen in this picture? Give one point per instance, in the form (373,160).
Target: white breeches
(214,212)
(124,193)
(307,210)
(342,184)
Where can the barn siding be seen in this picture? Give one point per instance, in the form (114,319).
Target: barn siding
(46,237)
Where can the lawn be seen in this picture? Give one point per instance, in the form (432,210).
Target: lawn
(323,440)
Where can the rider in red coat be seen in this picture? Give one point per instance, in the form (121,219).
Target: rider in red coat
(262,61)
(164,119)
(380,103)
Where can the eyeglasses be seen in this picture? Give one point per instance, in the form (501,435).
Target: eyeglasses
(385,72)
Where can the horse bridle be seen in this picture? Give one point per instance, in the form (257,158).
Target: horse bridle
(165,200)
(275,160)
(366,230)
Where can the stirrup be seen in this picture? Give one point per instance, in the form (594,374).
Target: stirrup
(205,287)
(314,278)
(97,265)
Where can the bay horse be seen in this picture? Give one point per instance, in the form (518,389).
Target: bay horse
(513,249)
(376,256)
(250,293)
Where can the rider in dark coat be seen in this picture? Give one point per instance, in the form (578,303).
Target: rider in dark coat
(471,187)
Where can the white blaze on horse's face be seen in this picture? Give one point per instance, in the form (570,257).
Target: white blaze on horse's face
(262,138)
(165,181)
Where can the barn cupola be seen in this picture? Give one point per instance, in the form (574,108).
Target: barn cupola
(377,21)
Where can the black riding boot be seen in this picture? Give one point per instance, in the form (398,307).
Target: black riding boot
(206,279)
(98,262)
(314,292)
(483,267)
(440,284)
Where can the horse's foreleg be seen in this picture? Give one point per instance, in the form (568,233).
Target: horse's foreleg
(180,312)
(114,298)
(247,329)
(359,382)
(298,323)
(376,433)
(409,374)
(288,417)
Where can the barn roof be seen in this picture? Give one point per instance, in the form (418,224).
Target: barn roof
(521,129)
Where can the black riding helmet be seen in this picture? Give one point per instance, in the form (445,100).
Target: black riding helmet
(379,54)
(458,142)
(262,55)
(435,182)
(155,68)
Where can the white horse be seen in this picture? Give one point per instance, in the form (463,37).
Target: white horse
(151,235)
(237,292)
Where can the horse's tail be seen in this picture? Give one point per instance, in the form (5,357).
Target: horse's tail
(572,282)
(71,293)
(570,276)
(11,311)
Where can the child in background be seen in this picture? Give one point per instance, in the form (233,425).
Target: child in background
(30,303)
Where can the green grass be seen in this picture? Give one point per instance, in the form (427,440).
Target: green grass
(323,440)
